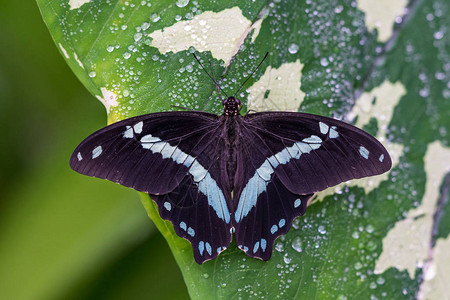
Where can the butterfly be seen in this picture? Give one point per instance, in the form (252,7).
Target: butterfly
(214,176)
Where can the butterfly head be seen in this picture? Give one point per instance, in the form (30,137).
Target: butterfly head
(231,107)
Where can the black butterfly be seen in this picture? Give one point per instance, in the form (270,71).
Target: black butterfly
(214,175)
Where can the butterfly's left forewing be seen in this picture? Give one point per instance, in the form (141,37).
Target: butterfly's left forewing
(283,158)
(173,157)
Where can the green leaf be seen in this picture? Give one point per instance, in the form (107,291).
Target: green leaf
(325,58)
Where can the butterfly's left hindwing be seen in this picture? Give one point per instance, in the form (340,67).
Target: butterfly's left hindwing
(173,157)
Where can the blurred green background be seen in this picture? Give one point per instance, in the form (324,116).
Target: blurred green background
(64,235)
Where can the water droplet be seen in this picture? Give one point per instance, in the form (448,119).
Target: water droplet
(182,3)
(438,35)
(189,68)
(297,244)
(338,9)
(145,26)
(137,36)
(372,285)
(287,259)
(125,93)
(293,48)
(371,246)
(355,235)
(370,228)
(155,17)
(341,297)
(322,229)
(358,265)
(279,247)
(92,74)
(126,55)
(205,275)
(381,281)
(324,61)
(110,49)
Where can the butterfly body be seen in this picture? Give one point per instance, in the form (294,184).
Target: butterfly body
(213,176)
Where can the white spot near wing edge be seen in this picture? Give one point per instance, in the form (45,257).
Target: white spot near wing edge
(364,152)
(96,152)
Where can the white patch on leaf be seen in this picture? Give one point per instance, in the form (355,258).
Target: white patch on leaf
(222,33)
(74,4)
(406,245)
(78,60)
(437,274)
(381,15)
(109,99)
(283,88)
(66,55)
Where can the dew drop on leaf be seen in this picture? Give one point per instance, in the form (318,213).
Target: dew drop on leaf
(293,48)
(297,244)
(182,3)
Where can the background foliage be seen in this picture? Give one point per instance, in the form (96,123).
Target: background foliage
(67,236)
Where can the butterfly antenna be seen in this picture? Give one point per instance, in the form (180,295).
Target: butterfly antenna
(217,86)
(248,77)
(212,78)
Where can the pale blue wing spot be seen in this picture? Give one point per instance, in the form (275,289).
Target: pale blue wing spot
(167,151)
(294,151)
(219,249)
(249,195)
(158,147)
(256,247)
(274,229)
(297,203)
(208,248)
(281,223)
(183,226)
(80,158)
(189,160)
(283,156)
(150,139)
(191,231)
(216,199)
(313,139)
(263,245)
(179,156)
(314,146)
(381,158)
(265,171)
(168,206)
(333,133)
(138,127)
(128,133)
(272,160)
(197,171)
(96,152)
(364,152)
(323,128)
(303,147)
(201,247)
